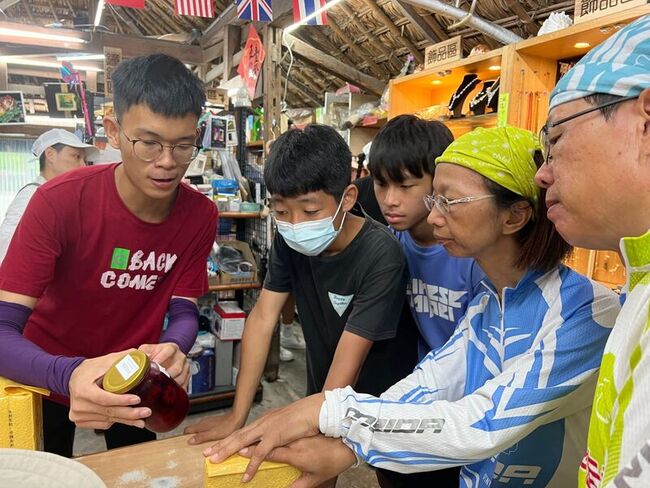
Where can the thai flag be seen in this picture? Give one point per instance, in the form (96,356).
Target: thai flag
(305,8)
(259,10)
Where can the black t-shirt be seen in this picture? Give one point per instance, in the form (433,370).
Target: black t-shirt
(367,200)
(360,290)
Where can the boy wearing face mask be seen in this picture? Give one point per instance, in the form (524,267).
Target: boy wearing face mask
(347,274)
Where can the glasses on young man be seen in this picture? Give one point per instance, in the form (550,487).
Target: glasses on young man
(543,132)
(443,205)
(149,150)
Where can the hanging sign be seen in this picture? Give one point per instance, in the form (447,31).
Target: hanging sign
(112,57)
(592,9)
(443,52)
(250,66)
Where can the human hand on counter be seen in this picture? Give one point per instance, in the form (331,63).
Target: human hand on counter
(93,408)
(319,459)
(276,429)
(214,428)
(169,356)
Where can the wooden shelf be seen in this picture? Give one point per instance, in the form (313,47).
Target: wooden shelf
(236,286)
(561,44)
(461,126)
(240,215)
(255,145)
(418,91)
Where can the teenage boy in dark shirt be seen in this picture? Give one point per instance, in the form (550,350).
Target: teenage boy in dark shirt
(347,274)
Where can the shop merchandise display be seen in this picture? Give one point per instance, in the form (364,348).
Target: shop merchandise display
(470,81)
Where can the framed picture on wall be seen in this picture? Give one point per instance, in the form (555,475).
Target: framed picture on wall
(12,108)
(66,102)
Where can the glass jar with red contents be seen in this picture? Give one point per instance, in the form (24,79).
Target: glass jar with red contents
(136,374)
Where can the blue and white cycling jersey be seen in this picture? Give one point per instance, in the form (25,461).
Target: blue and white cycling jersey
(508,397)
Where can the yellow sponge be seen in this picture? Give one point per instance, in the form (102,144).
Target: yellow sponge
(228,474)
(20,415)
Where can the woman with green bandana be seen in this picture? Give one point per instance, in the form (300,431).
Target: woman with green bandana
(508,397)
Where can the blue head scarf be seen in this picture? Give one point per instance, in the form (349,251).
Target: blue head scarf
(619,66)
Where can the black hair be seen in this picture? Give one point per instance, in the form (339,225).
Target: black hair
(361,159)
(160,82)
(312,159)
(541,246)
(407,143)
(599,99)
(41,160)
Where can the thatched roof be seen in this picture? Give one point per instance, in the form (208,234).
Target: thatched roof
(373,36)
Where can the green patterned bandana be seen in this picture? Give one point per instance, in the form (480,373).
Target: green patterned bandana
(502,154)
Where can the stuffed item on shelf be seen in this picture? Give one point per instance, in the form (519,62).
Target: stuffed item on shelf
(493,95)
(479,49)
(470,80)
(555,22)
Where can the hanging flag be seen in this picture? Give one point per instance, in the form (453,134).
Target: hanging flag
(252,58)
(259,10)
(305,8)
(196,8)
(127,3)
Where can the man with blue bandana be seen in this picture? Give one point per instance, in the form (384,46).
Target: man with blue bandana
(597,176)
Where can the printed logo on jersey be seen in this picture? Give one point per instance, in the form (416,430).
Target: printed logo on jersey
(396,426)
(436,301)
(340,302)
(527,474)
(138,270)
(591,471)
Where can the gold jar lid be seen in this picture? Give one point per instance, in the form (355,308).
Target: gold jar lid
(126,372)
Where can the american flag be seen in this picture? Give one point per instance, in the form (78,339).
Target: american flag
(259,10)
(195,8)
(304,8)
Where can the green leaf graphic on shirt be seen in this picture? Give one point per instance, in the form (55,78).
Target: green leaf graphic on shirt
(120,258)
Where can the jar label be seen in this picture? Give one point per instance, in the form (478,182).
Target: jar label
(127,367)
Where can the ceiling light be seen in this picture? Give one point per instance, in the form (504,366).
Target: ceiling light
(81,57)
(40,35)
(581,45)
(318,12)
(43,64)
(495,67)
(436,82)
(98,14)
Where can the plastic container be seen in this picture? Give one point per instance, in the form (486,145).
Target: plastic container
(225,187)
(135,374)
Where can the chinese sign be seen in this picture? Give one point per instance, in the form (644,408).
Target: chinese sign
(443,52)
(112,57)
(591,9)
(250,66)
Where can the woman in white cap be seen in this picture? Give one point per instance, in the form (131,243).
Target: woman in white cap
(57,151)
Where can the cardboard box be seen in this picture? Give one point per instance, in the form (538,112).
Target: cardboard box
(223,363)
(228,474)
(21,415)
(229,321)
(241,277)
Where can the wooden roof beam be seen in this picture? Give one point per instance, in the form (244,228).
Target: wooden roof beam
(519,11)
(355,20)
(356,49)
(386,20)
(414,18)
(304,91)
(214,32)
(330,64)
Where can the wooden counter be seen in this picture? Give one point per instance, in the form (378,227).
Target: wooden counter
(168,463)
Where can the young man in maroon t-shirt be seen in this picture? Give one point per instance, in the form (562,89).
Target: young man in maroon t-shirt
(103,253)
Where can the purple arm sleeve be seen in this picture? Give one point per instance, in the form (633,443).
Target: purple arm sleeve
(23,361)
(183,324)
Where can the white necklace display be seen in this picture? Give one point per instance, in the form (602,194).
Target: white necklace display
(456,102)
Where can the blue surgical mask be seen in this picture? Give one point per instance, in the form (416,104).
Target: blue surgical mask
(313,237)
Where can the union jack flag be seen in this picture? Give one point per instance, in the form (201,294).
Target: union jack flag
(259,10)
(304,8)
